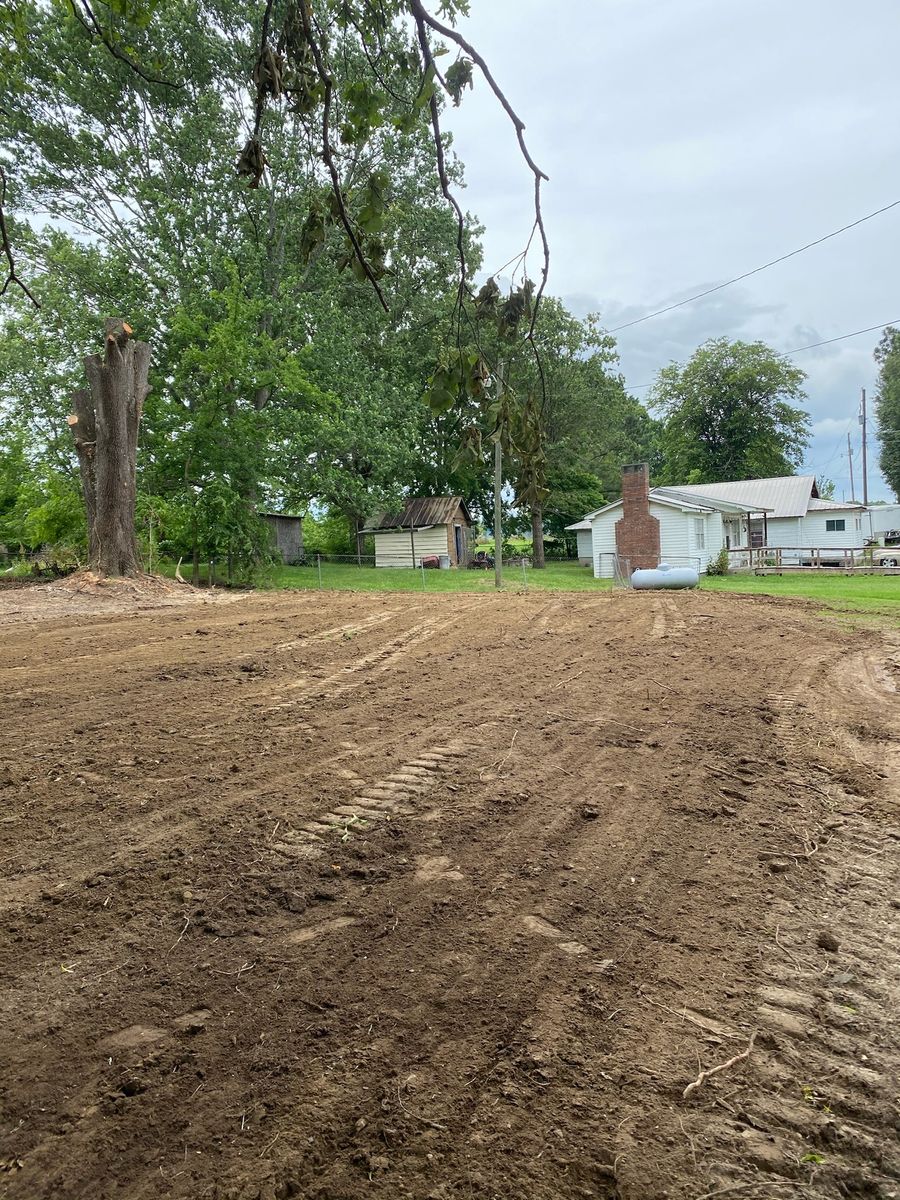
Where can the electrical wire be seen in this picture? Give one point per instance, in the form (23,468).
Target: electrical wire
(756,270)
(828,341)
(636,387)
(834,454)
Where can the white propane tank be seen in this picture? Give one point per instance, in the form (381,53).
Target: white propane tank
(665,576)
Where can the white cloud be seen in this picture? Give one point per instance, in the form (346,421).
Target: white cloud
(687,143)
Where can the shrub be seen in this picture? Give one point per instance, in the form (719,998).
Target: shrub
(720,564)
(327,534)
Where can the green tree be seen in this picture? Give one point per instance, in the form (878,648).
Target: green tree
(590,425)
(729,413)
(573,494)
(825,487)
(887,407)
(349,182)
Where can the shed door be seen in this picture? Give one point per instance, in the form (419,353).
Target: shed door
(460,552)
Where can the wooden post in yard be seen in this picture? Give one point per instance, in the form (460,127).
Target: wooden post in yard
(498,488)
(412,543)
(865,465)
(498,515)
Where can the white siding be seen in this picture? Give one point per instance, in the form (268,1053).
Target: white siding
(782,531)
(703,548)
(584,538)
(393,549)
(603,542)
(880,518)
(677,537)
(816,535)
(810,532)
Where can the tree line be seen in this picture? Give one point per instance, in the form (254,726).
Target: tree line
(318,341)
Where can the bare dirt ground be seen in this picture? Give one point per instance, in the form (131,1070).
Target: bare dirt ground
(338,896)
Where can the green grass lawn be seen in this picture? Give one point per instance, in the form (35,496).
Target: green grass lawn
(877,595)
(563,576)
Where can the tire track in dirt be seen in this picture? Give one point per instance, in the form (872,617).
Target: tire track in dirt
(500,990)
(397,794)
(137,836)
(821,1108)
(817,1110)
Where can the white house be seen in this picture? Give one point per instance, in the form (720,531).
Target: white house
(648,526)
(582,531)
(791,516)
(688,526)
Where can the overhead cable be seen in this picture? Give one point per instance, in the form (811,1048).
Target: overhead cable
(756,270)
(634,387)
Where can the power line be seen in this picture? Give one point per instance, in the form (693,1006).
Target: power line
(636,387)
(756,270)
(842,338)
(834,454)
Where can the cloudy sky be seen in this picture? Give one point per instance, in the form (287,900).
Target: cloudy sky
(688,141)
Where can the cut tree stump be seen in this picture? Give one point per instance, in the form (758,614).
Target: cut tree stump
(105,428)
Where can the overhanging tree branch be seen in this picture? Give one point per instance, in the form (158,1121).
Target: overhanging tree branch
(421,14)
(12,276)
(428,58)
(90,22)
(328,153)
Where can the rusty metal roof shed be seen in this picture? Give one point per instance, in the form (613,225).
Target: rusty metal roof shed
(420,512)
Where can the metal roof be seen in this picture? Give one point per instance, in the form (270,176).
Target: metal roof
(690,497)
(420,512)
(783,496)
(817,504)
(673,498)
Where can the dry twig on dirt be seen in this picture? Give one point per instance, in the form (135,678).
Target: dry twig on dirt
(704,1075)
(568,679)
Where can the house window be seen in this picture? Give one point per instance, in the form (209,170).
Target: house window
(700,533)
(836,526)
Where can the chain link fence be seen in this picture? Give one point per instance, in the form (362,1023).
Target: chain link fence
(609,565)
(330,570)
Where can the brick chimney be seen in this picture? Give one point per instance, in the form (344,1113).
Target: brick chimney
(637,532)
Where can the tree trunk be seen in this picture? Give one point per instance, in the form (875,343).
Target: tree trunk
(357,524)
(537,538)
(105,428)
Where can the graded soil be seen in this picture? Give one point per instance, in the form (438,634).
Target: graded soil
(336,896)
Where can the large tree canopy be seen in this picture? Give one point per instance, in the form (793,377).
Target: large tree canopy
(729,413)
(887,407)
(240,183)
(243,186)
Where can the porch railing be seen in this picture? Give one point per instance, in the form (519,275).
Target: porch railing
(777,558)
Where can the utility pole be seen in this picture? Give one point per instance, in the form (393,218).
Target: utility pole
(850,460)
(865,472)
(498,488)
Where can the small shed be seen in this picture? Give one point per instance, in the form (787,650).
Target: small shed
(286,535)
(584,539)
(425,526)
